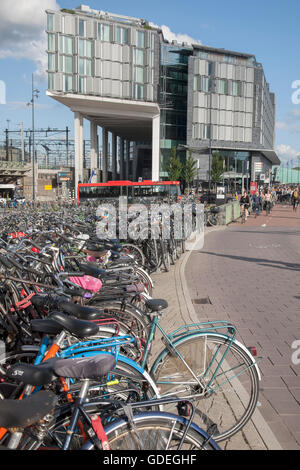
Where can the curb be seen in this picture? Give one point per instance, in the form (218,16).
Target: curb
(260,424)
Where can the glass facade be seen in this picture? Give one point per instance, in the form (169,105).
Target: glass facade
(173,99)
(235,162)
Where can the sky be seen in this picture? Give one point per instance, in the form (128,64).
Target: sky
(269,29)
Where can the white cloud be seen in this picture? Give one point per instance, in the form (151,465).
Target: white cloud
(22,31)
(179,37)
(287,153)
(291,122)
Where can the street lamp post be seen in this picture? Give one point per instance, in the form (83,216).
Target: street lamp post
(34,94)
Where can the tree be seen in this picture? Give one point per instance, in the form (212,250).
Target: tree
(217,168)
(190,170)
(174,167)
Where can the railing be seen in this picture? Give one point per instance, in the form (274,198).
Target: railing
(229,212)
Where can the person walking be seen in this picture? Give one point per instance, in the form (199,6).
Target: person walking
(295,199)
(268,201)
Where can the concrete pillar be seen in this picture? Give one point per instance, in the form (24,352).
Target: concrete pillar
(114,156)
(121,158)
(155,147)
(78,149)
(104,154)
(127,158)
(94,150)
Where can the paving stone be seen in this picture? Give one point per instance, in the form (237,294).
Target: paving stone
(254,282)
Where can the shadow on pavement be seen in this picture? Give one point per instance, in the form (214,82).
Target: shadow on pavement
(261,261)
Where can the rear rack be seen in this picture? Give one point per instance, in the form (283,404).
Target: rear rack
(206,327)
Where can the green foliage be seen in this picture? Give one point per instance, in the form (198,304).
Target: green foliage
(65,10)
(174,166)
(190,169)
(217,167)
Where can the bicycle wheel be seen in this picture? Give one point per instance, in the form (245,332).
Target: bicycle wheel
(136,252)
(212,220)
(230,400)
(155,431)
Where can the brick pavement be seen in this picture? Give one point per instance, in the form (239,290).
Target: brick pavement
(250,273)
(172,287)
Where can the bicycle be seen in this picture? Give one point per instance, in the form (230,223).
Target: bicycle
(103,424)
(197,362)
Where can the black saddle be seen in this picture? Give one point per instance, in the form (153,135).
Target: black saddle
(156,305)
(79,311)
(56,302)
(79,328)
(23,413)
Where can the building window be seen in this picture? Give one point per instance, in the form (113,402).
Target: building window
(88,52)
(81,85)
(81,31)
(229,58)
(234,88)
(88,67)
(60,44)
(51,42)
(139,92)
(139,75)
(68,45)
(81,66)
(68,83)
(141,39)
(50,81)
(106,32)
(205,131)
(81,47)
(50,22)
(68,64)
(99,30)
(139,57)
(51,62)
(222,86)
(121,35)
(202,55)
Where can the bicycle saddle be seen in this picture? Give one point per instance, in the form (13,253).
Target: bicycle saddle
(156,305)
(79,328)
(85,367)
(79,311)
(23,413)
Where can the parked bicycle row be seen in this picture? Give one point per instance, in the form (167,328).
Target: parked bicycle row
(78,321)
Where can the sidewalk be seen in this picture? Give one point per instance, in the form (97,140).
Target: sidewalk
(172,286)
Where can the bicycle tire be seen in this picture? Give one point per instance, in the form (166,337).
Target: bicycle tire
(211,409)
(156,431)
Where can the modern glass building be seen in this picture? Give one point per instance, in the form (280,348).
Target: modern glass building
(148,95)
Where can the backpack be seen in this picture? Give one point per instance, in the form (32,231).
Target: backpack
(295,194)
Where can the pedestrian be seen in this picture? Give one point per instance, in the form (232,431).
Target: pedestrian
(295,199)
